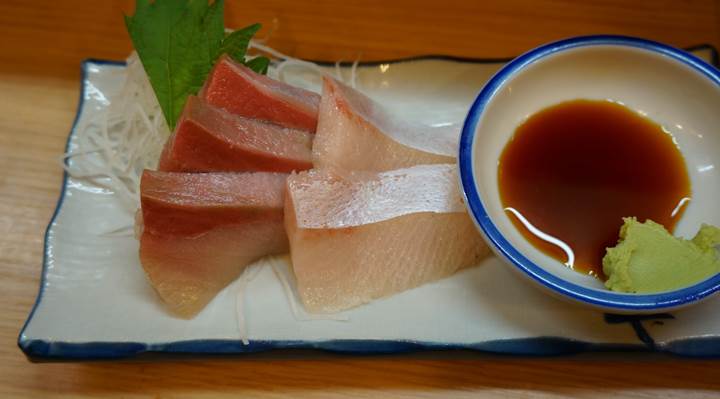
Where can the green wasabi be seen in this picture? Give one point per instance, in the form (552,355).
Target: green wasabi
(648,259)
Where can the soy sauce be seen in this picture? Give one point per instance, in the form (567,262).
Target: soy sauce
(574,170)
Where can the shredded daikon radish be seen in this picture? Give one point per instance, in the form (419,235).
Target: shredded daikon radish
(283,62)
(248,275)
(123,231)
(119,143)
(353,74)
(283,274)
(285,277)
(338,72)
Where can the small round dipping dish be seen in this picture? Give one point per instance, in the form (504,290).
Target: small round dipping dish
(675,89)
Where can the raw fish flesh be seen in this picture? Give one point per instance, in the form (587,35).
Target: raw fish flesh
(208,139)
(355,133)
(241,91)
(364,235)
(200,230)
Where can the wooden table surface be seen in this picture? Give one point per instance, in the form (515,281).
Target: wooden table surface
(41,46)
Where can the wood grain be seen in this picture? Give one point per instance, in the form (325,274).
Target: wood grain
(42,44)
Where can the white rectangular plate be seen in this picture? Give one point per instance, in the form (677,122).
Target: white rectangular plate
(94,301)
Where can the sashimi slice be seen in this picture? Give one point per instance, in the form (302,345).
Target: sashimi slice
(240,90)
(364,236)
(208,139)
(355,133)
(200,230)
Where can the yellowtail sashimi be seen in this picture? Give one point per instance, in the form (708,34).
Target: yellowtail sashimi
(209,139)
(200,230)
(365,235)
(355,133)
(241,91)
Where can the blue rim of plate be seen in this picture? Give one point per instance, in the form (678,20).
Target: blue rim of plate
(44,350)
(604,299)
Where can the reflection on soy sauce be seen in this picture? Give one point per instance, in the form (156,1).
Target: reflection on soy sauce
(572,171)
